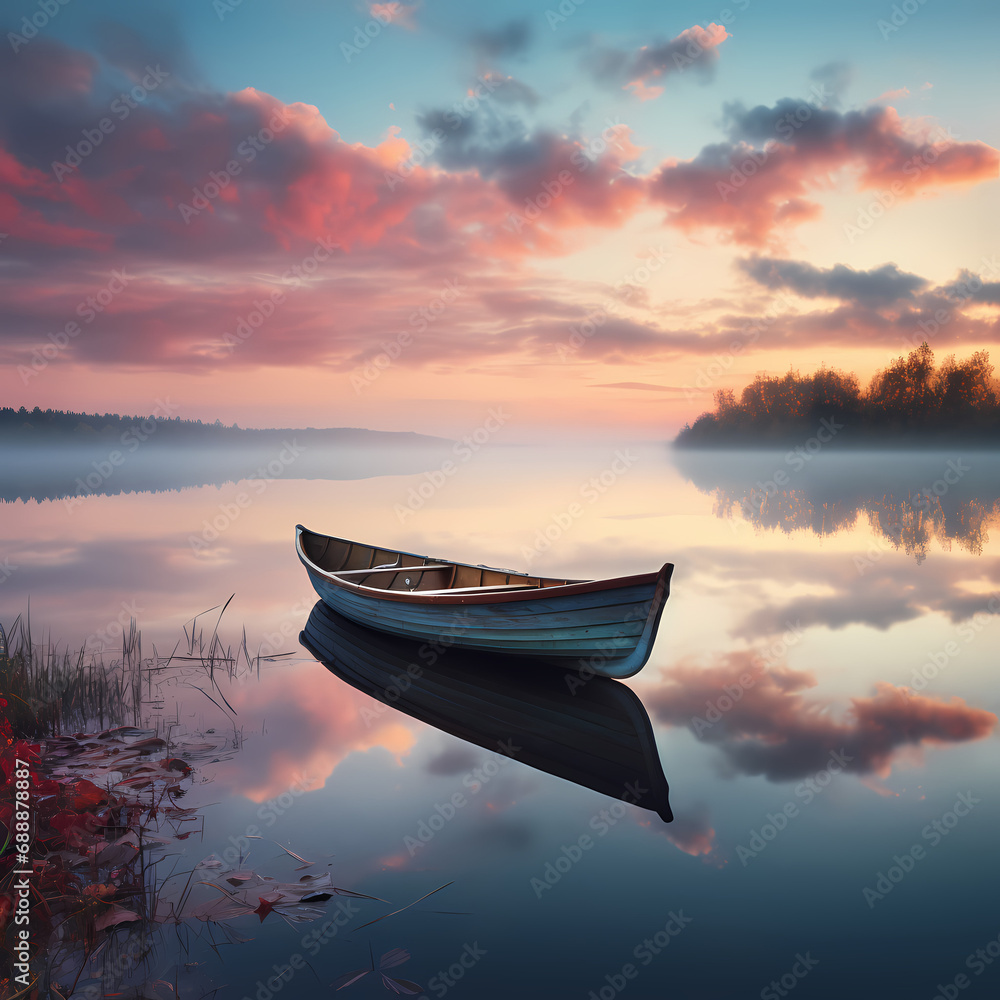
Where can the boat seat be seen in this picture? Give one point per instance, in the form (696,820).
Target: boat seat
(386,569)
(466,590)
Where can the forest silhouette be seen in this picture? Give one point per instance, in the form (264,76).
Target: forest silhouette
(61,427)
(911,402)
(38,426)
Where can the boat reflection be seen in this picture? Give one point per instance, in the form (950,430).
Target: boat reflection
(598,735)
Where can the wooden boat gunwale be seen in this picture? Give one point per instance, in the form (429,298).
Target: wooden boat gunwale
(474,595)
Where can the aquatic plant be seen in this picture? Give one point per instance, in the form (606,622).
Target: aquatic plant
(107,816)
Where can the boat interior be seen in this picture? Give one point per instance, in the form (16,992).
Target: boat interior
(387,569)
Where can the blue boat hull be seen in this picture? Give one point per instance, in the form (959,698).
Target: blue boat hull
(606,631)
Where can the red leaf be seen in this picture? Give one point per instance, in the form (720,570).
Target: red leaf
(82,795)
(77,828)
(265,907)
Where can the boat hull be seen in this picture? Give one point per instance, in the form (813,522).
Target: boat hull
(605,627)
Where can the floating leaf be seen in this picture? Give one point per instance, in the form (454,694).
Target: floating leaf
(294,855)
(349,977)
(156,839)
(115,915)
(123,731)
(401,986)
(216,910)
(395,957)
(153,743)
(121,852)
(359,895)
(266,906)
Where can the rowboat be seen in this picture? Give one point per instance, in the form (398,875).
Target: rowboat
(606,626)
(598,737)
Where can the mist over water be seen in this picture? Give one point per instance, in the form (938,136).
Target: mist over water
(77,471)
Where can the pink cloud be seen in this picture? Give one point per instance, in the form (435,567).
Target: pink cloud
(692,833)
(395,13)
(693,46)
(900,93)
(766,178)
(643,91)
(243,173)
(219,194)
(316,733)
(763,724)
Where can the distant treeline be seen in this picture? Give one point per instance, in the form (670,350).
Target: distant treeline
(50,454)
(40,427)
(911,402)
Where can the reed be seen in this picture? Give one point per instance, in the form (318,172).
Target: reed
(51,690)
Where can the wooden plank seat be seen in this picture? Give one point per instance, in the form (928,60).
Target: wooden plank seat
(388,569)
(479,590)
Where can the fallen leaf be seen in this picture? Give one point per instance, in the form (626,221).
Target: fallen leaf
(349,977)
(294,855)
(266,906)
(401,986)
(115,915)
(395,957)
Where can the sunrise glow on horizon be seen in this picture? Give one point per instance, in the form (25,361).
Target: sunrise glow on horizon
(398,216)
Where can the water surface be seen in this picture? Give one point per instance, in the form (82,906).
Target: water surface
(822,693)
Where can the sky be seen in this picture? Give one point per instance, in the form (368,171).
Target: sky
(585,216)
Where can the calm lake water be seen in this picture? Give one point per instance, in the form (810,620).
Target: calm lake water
(822,692)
